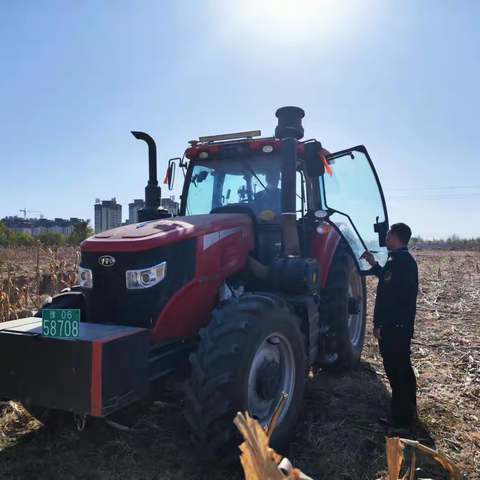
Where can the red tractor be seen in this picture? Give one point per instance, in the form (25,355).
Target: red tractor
(257,279)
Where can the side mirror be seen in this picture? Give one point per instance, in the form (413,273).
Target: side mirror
(172,166)
(381,228)
(315,167)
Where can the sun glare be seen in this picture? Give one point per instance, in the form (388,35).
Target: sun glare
(293,22)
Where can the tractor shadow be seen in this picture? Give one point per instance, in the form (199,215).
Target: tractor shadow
(338,436)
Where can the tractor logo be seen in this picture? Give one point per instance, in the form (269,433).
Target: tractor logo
(106,261)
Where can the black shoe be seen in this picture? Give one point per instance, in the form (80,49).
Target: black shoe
(398,432)
(401,429)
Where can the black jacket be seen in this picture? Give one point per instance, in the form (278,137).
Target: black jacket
(396,302)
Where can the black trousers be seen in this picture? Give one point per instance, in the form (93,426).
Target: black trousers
(395,350)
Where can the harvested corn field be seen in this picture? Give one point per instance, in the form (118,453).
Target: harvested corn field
(338,433)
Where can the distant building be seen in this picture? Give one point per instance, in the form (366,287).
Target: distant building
(170,204)
(19,224)
(133,209)
(34,226)
(108,214)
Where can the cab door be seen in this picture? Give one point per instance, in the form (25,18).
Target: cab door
(354,199)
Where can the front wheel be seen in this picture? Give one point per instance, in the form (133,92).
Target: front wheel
(251,352)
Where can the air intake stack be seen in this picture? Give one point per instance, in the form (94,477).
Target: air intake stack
(152,191)
(289,130)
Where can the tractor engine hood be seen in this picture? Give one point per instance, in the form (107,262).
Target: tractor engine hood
(198,253)
(157,233)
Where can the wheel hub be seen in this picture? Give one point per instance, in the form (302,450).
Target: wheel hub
(272,372)
(354,305)
(268,380)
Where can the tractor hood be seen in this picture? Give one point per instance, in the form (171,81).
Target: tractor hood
(156,233)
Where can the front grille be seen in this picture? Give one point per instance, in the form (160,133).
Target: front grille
(110,302)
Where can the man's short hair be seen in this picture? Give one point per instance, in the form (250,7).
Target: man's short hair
(402,231)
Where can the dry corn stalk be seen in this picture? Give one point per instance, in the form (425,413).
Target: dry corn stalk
(259,461)
(276,415)
(9,281)
(37,270)
(4,306)
(439,456)
(395,458)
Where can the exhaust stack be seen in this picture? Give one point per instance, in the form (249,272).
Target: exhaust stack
(152,190)
(289,130)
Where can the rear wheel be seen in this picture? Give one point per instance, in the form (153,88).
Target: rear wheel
(251,352)
(344,309)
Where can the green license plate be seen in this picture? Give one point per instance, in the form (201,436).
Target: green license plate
(61,323)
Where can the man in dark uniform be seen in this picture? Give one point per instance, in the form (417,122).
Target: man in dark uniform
(393,319)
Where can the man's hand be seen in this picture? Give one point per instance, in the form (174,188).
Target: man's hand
(377,333)
(368,256)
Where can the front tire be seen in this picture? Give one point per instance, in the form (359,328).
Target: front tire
(344,309)
(252,351)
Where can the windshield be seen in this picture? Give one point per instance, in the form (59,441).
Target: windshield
(254,182)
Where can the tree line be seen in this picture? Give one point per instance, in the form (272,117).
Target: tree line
(451,240)
(81,231)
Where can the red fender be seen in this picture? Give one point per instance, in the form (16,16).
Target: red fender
(323,247)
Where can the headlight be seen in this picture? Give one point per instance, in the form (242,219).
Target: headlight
(146,278)
(85,277)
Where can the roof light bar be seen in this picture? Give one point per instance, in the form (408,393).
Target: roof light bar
(231,136)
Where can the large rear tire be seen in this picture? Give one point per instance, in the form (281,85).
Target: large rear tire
(251,352)
(344,309)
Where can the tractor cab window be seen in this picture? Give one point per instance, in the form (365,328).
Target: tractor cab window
(253,182)
(354,194)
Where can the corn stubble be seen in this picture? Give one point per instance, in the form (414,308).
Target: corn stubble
(260,462)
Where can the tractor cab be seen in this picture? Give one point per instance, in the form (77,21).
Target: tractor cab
(242,174)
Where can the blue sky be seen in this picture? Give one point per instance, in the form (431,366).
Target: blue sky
(400,77)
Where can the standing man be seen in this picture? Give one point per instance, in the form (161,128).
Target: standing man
(394,318)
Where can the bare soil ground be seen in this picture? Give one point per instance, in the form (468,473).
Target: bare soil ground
(338,436)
